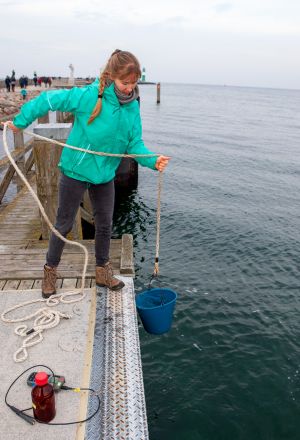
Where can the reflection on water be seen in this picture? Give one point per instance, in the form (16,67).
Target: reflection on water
(131,216)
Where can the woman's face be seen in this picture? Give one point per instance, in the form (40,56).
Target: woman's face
(126,85)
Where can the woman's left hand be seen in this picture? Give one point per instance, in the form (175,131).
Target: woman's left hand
(162,162)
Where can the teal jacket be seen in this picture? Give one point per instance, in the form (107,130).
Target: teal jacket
(117,129)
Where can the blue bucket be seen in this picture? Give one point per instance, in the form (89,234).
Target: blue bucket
(155,308)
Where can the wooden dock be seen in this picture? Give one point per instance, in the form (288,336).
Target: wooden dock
(107,354)
(24,233)
(22,252)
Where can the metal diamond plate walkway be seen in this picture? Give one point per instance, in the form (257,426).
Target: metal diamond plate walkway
(117,369)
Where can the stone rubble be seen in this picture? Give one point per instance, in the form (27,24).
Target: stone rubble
(10,102)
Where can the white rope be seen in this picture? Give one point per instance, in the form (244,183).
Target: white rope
(156,263)
(97,153)
(54,299)
(46,318)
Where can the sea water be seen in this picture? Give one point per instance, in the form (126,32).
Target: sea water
(229,369)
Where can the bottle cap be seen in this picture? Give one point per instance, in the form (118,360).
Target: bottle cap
(41,378)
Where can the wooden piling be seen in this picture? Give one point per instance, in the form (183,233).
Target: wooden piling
(158,93)
(44,119)
(60,116)
(46,158)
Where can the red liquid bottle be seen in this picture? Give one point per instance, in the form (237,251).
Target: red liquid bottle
(43,400)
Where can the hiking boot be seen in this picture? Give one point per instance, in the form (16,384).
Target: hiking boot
(49,281)
(105,278)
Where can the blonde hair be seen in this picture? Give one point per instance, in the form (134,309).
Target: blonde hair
(120,65)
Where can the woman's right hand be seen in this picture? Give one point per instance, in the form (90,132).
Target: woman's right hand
(12,127)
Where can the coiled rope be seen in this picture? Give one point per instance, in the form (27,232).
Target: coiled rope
(45,318)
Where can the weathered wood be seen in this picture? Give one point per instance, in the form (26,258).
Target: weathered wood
(158,93)
(22,254)
(87,216)
(25,284)
(12,284)
(27,263)
(126,264)
(11,246)
(19,144)
(76,233)
(87,283)
(37,284)
(29,162)
(38,274)
(4,162)
(46,158)
(60,116)
(6,181)
(69,283)
(44,119)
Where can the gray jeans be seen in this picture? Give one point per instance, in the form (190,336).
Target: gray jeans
(70,196)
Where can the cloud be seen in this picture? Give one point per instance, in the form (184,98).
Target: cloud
(235,16)
(223,7)
(219,41)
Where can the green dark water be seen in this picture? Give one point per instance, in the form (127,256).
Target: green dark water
(230,236)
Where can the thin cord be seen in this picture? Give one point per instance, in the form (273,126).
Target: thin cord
(30,418)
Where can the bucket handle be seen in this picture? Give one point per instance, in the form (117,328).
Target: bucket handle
(153,277)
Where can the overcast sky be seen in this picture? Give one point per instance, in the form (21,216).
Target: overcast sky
(235,42)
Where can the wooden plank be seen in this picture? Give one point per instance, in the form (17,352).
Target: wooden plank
(87,283)
(69,283)
(18,227)
(29,162)
(16,268)
(126,263)
(44,119)
(6,181)
(16,154)
(87,216)
(12,284)
(38,274)
(19,143)
(37,284)
(16,218)
(13,252)
(25,284)
(10,248)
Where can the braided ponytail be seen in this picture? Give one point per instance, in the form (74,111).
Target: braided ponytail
(98,106)
(121,64)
